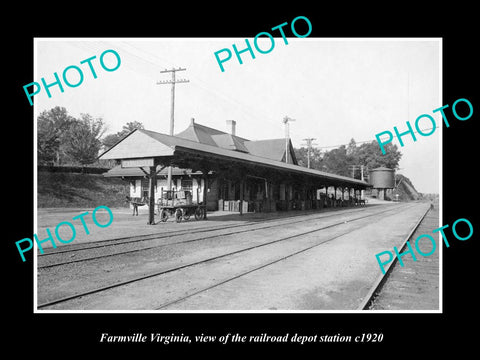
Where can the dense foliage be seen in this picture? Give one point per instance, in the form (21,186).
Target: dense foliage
(65,140)
(346,160)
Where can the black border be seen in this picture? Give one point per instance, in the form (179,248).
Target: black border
(79,333)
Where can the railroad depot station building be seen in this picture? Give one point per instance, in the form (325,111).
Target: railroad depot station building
(227,172)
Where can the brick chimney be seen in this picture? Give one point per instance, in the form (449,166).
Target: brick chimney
(231,126)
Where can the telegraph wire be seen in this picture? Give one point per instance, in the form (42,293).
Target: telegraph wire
(198,83)
(98,45)
(363,141)
(94,46)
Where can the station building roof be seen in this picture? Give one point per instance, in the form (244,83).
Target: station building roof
(271,149)
(118,171)
(200,147)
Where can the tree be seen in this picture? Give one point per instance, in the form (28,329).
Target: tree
(336,161)
(129,127)
(340,160)
(51,128)
(370,155)
(111,139)
(82,140)
(351,148)
(352,157)
(315,157)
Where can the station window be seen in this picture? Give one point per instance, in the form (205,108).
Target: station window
(145,187)
(224,191)
(187,185)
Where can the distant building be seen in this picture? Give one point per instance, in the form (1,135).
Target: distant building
(382,180)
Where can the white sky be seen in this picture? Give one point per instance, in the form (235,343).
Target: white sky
(335,89)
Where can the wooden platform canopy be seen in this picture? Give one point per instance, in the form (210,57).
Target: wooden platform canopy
(148,149)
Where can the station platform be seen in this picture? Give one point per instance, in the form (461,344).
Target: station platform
(124,224)
(298,261)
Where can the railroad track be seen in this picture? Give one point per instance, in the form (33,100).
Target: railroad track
(414,286)
(226,255)
(70,254)
(206,228)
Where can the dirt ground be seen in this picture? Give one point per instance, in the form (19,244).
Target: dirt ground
(335,275)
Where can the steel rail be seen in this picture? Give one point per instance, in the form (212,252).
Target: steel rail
(162,272)
(295,221)
(378,284)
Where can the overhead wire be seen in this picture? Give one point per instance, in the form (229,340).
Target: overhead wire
(204,86)
(156,62)
(365,141)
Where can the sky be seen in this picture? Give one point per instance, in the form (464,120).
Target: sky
(335,89)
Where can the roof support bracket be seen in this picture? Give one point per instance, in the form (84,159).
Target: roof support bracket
(146,173)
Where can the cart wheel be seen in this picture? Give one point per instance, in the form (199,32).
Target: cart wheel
(178,215)
(198,213)
(163,215)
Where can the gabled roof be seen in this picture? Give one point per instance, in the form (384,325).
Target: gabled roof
(200,133)
(271,149)
(142,143)
(228,141)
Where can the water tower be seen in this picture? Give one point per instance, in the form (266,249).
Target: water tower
(382,179)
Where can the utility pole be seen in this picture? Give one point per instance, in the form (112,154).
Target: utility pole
(356,167)
(362,193)
(286,120)
(309,148)
(353,167)
(173,81)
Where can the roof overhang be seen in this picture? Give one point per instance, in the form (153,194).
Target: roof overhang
(137,145)
(175,151)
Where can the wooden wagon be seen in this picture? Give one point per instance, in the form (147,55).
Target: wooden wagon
(180,205)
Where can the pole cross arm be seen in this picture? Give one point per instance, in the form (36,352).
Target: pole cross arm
(172,81)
